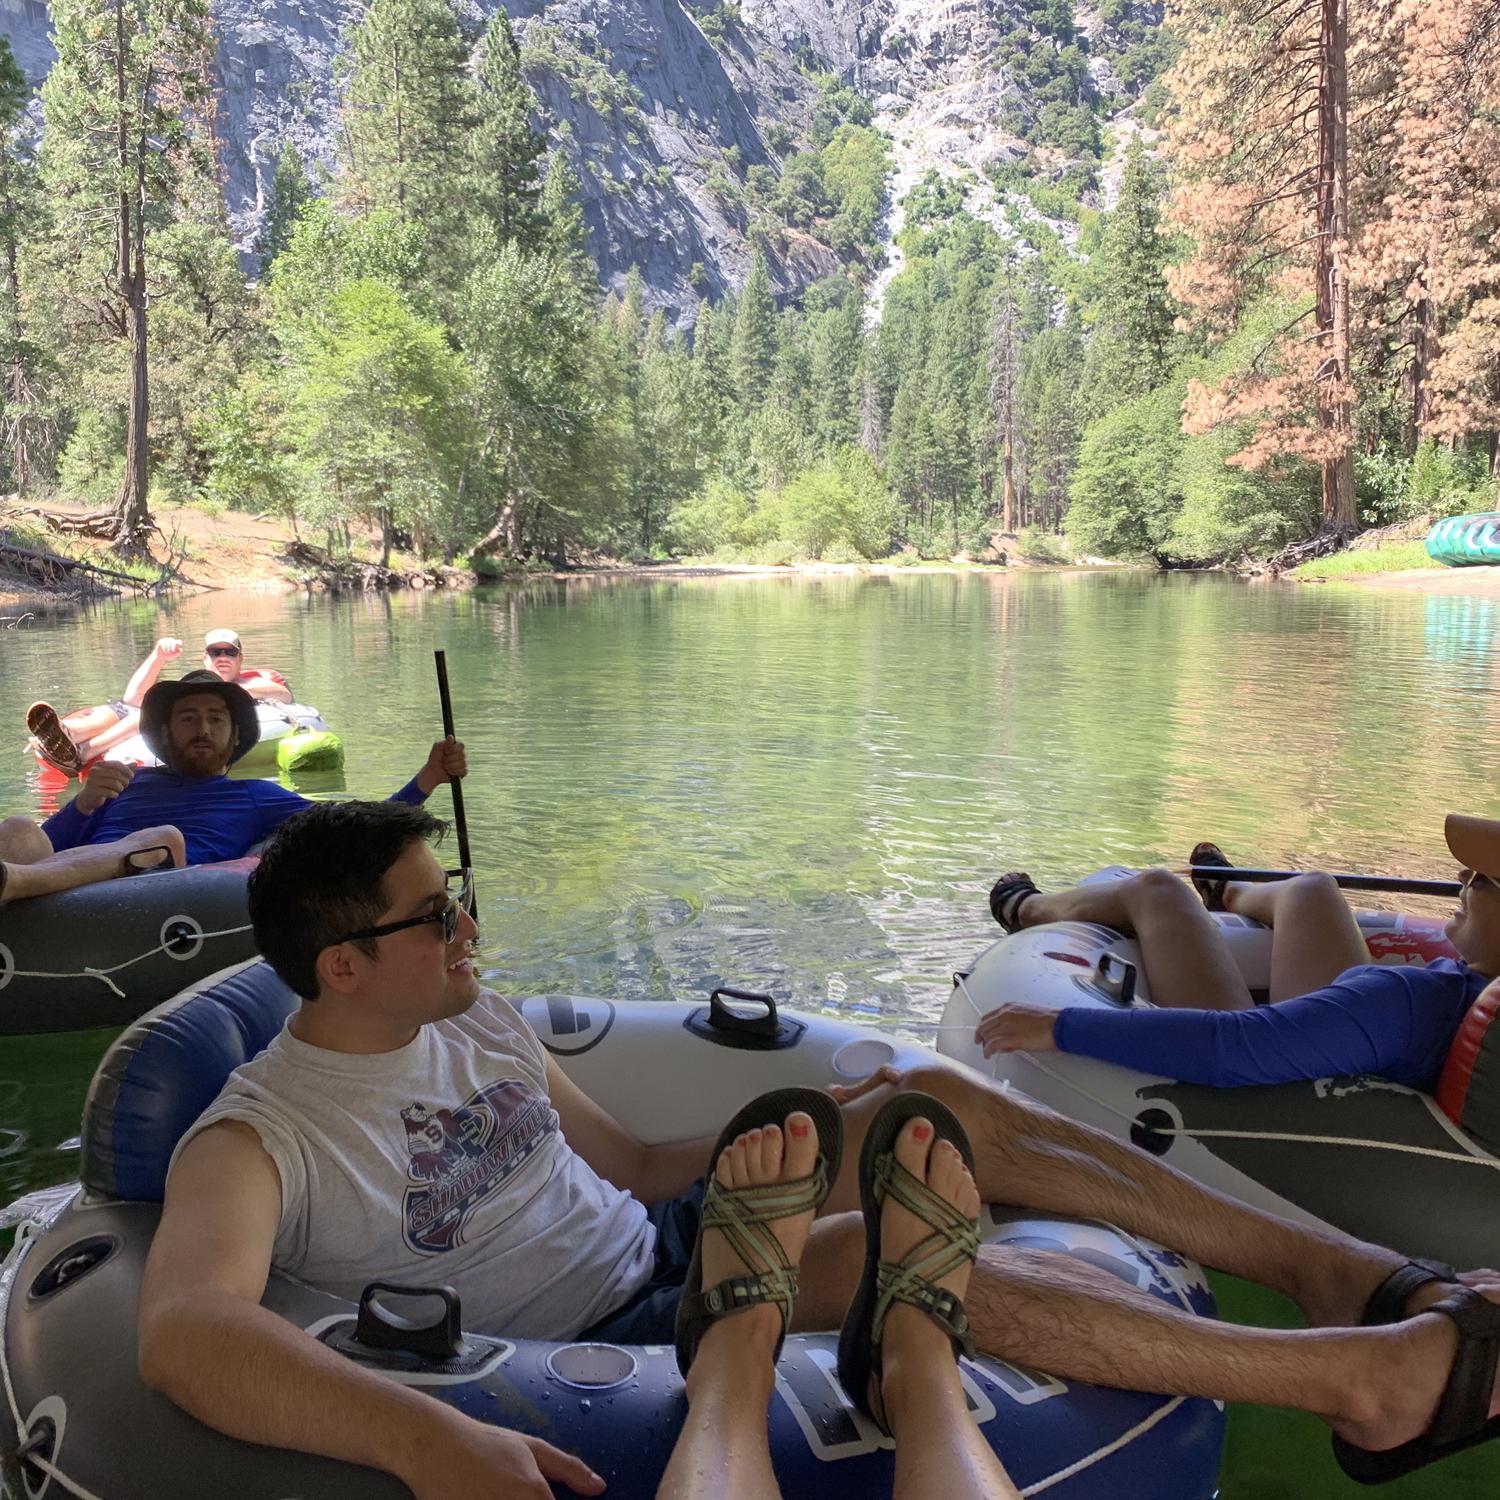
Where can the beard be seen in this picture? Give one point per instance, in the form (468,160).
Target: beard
(199,760)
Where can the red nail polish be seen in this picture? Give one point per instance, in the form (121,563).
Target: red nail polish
(799,1129)
(922,1131)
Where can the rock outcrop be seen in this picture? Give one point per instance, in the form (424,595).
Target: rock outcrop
(661,107)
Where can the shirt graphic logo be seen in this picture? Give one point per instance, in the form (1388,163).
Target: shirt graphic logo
(460,1157)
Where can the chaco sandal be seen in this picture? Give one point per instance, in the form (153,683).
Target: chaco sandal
(746,1217)
(1463,1416)
(1008,895)
(1212,891)
(913,1280)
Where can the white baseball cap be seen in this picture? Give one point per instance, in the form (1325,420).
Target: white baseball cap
(221,638)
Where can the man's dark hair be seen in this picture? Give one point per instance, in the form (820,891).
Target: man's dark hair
(323,874)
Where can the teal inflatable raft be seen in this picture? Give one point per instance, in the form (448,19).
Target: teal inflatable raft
(1463,540)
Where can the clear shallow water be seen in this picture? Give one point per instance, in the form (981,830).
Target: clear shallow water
(808,785)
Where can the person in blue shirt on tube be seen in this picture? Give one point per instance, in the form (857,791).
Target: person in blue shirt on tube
(1331,1012)
(198,726)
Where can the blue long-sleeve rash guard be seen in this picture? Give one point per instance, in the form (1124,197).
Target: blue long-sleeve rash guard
(1396,1022)
(219,818)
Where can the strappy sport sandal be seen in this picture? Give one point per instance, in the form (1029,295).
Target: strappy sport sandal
(1463,1416)
(913,1280)
(1212,891)
(1007,896)
(52,739)
(1388,1301)
(746,1216)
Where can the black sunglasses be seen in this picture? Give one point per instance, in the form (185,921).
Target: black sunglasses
(223,651)
(448,915)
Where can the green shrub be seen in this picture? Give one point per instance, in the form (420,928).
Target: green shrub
(840,551)
(844,500)
(1449,481)
(1039,546)
(778,553)
(713,517)
(1125,493)
(1382,487)
(91,468)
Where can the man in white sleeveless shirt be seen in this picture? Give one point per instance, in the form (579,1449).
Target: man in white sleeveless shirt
(407,1126)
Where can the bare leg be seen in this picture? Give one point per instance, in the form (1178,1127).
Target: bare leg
(22,842)
(939,1450)
(724,1448)
(114,733)
(1377,1387)
(1031,1156)
(1187,961)
(84,723)
(1314,936)
(83,866)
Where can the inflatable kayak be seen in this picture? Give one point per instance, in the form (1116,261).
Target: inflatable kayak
(102,954)
(293,737)
(1463,540)
(1370,1157)
(76,1412)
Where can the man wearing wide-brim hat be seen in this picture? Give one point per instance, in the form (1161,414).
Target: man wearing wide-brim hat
(198,726)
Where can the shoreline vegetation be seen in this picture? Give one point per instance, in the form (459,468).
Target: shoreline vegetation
(193,551)
(1187,322)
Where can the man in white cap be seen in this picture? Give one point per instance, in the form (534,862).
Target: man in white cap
(69,742)
(224,656)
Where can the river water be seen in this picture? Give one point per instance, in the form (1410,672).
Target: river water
(807,785)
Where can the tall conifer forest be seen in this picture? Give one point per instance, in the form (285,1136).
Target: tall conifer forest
(1262,306)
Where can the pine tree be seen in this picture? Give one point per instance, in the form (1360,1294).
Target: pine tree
(753,347)
(20,219)
(1005,369)
(1260,139)
(290,190)
(563,235)
(506,150)
(1424,257)
(1131,348)
(407,118)
(124,106)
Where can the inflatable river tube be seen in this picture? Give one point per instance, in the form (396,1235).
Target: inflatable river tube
(103,954)
(1461,541)
(76,1419)
(1372,1158)
(293,737)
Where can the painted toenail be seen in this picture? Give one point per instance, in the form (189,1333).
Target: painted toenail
(922,1131)
(799,1128)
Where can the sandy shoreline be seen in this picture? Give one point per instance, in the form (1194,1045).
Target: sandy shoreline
(1480,580)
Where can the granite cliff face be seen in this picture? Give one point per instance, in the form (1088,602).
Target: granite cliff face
(653,100)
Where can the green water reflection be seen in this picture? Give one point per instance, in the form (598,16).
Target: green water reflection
(808,784)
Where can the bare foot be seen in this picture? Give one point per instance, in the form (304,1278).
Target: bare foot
(751,1160)
(1405,1376)
(913,1346)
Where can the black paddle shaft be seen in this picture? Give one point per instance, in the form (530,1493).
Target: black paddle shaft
(1399,884)
(460,824)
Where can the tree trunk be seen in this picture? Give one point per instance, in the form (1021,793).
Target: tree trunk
(385,537)
(1008,486)
(18,394)
(132,518)
(1335,404)
(1424,351)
